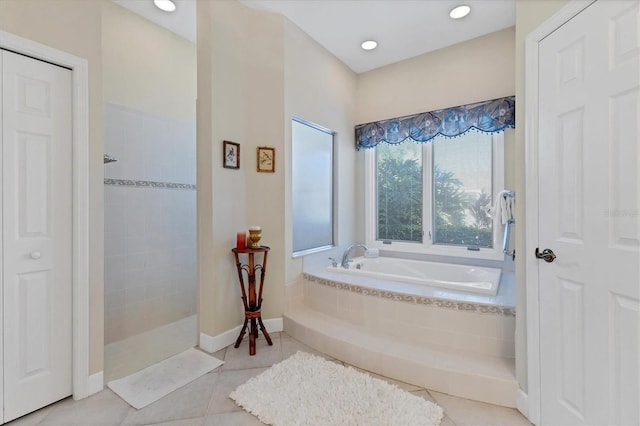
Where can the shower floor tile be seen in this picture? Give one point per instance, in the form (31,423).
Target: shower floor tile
(143,350)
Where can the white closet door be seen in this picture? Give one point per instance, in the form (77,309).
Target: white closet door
(36,233)
(1,250)
(588,210)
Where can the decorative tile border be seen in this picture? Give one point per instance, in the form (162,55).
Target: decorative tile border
(418,300)
(149,184)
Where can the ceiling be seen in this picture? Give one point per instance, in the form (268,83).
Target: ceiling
(181,22)
(402,28)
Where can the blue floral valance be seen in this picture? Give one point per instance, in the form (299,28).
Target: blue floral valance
(489,116)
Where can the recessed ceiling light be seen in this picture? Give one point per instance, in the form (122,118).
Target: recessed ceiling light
(166,5)
(369,44)
(459,12)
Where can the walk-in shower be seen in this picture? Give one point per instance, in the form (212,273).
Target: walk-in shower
(150,239)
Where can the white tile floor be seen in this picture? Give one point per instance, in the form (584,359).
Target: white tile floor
(205,401)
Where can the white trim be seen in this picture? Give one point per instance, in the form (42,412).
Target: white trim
(96,383)
(531,197)
(333,208)
(369,198)
(1,265)
(80,114)
(213,344)
(522,402)
(274,325)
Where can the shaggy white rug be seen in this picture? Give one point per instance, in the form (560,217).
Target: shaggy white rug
(309,390)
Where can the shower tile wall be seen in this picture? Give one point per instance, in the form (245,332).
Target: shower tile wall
(150,223)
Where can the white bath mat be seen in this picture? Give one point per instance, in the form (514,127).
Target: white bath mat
(309,390)
(149,385)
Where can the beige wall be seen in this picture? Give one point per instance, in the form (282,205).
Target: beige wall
(321,89)
(255,71)
(468,72)
(74,26)
(473,71)
(147,67)
(240,99)
(529,15)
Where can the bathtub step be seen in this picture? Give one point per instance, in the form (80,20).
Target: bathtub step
(472,376)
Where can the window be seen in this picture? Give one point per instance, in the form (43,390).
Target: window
(311,187)
(399,192)
(435,196)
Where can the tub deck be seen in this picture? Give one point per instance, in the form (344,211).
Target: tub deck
(471,279)
(454,342)
(466,375)
(505,297)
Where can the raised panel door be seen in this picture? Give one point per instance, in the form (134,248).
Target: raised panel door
(36,234)
(589,212)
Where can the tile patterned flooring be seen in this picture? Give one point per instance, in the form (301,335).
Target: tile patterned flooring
(205,401)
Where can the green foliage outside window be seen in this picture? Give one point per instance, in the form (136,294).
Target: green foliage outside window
(451,207)
(399,180)
(460,218)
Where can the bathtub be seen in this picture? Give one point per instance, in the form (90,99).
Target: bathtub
(449,339)
(470,279)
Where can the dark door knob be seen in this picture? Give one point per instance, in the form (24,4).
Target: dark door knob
(547,255)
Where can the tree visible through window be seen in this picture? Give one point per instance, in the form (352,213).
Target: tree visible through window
(459,185)
(462,175)
(399,183)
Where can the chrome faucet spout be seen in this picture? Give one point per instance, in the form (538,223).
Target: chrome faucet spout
(347,253)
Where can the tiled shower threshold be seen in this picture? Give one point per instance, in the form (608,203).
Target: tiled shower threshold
(145,349)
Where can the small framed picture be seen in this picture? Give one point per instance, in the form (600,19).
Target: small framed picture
(231,155)
(266,159)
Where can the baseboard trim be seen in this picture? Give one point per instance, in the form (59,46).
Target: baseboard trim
(213,344)
(522,403)
(96,383)
(274,325)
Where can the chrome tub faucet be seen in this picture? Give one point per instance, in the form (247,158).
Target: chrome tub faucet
(347,253)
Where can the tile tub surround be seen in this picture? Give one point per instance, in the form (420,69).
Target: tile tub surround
(462,278)
(466,327)
(502,303)
(456,343)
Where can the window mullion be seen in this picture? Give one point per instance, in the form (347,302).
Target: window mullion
(497,168)
(427,194)
(371,196)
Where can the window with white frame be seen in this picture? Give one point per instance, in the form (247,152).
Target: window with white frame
(311,187)
(435,196)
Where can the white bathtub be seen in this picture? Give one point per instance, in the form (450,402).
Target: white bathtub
(472,279)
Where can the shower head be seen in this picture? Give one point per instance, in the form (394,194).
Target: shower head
(109,159)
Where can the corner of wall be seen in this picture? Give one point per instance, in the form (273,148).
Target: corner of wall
(212,344)
(529,15)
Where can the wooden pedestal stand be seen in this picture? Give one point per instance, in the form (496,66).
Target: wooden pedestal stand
(251,301)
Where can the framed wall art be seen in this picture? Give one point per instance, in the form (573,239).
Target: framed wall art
(266,159)
(231,155)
